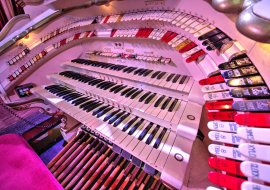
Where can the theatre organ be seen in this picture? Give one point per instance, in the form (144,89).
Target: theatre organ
(144,81)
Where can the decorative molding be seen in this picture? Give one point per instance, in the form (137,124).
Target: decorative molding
(11,24)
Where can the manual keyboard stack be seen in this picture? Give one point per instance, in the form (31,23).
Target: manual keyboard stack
(153,130)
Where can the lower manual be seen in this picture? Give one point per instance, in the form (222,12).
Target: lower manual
(87,162)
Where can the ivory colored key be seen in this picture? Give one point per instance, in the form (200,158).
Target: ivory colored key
(140,146)
(164,109)
(174,107)
(177,116)
(156,151)
(148,148)
(129,138)
(164,153)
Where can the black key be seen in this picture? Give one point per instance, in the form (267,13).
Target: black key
(82,106)
(80,100)
(136,94)
(126,91)
(150,98)
(173,105)
(135,127)
(110,115)
(176,78)
(121,119)
(166,103)
(152,135)
(142,72)
(104,112)
(115,117)
(160,137)
(73,97)
(131,69)
(170,77)
(183,80)
(90,104)
(131,92)
(145,131)
(96,82)
(159,101)
(100,85)
(137,71)
(94,107)
(100,109)
(155,74)
(69,95)
(161,75)
(126,69)
(119,89)
(109,86)
(62,93)
(144,96)
(129,123)
(147,73)
(116,87)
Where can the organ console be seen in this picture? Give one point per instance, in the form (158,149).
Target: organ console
(149,94)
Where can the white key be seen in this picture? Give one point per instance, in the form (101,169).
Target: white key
(155,152)
(178,114)
(136,140)
(148,148)
(157,110)
(140,146)
(163,112)
(129,138)
(164,153)
(188,85)
(178,158)
(170,115)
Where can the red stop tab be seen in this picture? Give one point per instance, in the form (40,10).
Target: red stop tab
(227,181)
(212,80)
(222,115)
(229,166)
(195,56)
(219,105)
(253,119)
(169,38)
(148,32)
